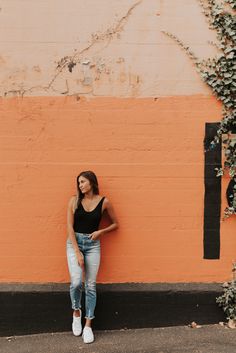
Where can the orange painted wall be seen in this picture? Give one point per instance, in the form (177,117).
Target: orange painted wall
(148,155)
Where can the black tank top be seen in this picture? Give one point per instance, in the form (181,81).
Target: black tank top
(87,221)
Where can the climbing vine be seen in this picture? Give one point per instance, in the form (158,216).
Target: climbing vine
(219,73)
(228,299)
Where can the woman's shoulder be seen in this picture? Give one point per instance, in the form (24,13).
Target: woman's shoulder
(106,201)
(73,201)
(73,198)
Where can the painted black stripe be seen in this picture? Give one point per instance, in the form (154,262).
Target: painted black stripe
(119,306)
(212,198)
(230,192)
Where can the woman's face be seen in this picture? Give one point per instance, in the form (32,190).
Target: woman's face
(84,184)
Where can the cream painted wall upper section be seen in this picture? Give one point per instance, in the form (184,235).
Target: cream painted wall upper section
(117,46)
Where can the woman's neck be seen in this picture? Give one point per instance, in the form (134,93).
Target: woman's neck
(89,196)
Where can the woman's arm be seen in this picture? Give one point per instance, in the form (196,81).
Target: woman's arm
(70,231)
(114,223)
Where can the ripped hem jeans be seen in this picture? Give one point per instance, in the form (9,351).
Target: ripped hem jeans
(91,251)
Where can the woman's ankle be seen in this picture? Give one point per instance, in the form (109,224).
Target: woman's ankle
(88,323)
(77,313)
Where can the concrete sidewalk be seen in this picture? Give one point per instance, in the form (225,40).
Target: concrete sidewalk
(181,339)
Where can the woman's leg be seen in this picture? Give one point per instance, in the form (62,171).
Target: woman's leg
(76,278)
(92,262)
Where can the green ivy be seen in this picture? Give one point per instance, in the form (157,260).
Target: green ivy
(219,73)
(232,3)
(228,299)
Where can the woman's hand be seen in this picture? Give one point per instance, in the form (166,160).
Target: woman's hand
(95,235)
(80,258)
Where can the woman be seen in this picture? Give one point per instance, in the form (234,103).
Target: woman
(83,247)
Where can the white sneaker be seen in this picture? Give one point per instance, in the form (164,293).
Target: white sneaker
(88,336)
(76,325)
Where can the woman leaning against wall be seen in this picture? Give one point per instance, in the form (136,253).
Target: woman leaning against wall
(83,247)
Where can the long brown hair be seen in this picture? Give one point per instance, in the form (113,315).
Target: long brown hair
(91,176)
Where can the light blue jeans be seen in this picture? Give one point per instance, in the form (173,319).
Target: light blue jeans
(91,251)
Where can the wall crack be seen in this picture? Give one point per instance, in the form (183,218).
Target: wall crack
(70,61)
